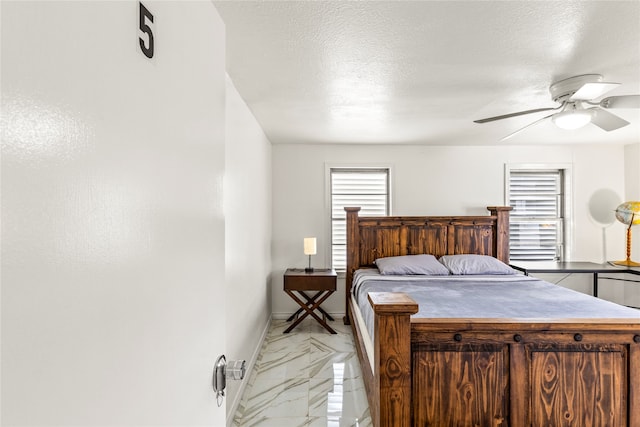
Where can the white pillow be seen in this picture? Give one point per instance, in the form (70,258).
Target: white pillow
(475,264)
(411,265)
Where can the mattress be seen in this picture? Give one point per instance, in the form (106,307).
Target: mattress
(477,296)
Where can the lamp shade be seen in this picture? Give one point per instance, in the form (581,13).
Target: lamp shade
(572,119)
(309,245)
(628,213)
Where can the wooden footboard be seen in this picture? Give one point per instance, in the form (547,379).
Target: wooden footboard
(491,372)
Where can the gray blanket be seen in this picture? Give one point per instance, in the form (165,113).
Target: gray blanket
(505,296)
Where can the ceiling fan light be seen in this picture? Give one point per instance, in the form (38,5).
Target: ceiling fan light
(573,119)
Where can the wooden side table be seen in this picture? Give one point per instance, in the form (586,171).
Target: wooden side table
(322,282)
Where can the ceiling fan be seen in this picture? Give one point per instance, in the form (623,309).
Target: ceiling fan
(576,96)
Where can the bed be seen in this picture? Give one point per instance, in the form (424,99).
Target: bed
(477,368)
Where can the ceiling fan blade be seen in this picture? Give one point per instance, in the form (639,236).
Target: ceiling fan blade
(519,113)
(526,127)
(621,101)
(605,120)
(592,91)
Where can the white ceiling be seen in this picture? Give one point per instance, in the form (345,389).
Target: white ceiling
(417,72)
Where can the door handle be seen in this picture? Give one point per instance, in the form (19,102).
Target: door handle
(234,369)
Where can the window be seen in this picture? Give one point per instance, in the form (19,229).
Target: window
(364,187)
(538,221)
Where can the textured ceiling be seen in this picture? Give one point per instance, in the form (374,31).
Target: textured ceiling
(421,72)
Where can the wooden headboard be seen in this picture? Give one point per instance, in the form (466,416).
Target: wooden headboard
(369,238)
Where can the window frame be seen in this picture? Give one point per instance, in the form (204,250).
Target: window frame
(329,167)
(567,199)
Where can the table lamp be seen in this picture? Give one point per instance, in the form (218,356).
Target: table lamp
(309,249)
(628,213)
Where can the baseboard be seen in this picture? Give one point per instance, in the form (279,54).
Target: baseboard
(231,411)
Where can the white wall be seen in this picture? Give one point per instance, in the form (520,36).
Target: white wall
(112,219)
(632,187)
(247,206)
(632,171)
(426,181)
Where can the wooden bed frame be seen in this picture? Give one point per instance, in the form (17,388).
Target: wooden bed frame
(478,371)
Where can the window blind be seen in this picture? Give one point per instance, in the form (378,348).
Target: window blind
(366,188)
(536,222)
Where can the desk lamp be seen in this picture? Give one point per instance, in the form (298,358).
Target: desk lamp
(309,249)
(628,213)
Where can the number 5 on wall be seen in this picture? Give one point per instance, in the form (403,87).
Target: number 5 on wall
(147,49)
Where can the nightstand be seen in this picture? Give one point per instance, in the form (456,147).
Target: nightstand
(322,282)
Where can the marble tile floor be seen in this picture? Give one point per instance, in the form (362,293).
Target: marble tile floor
(307,377)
